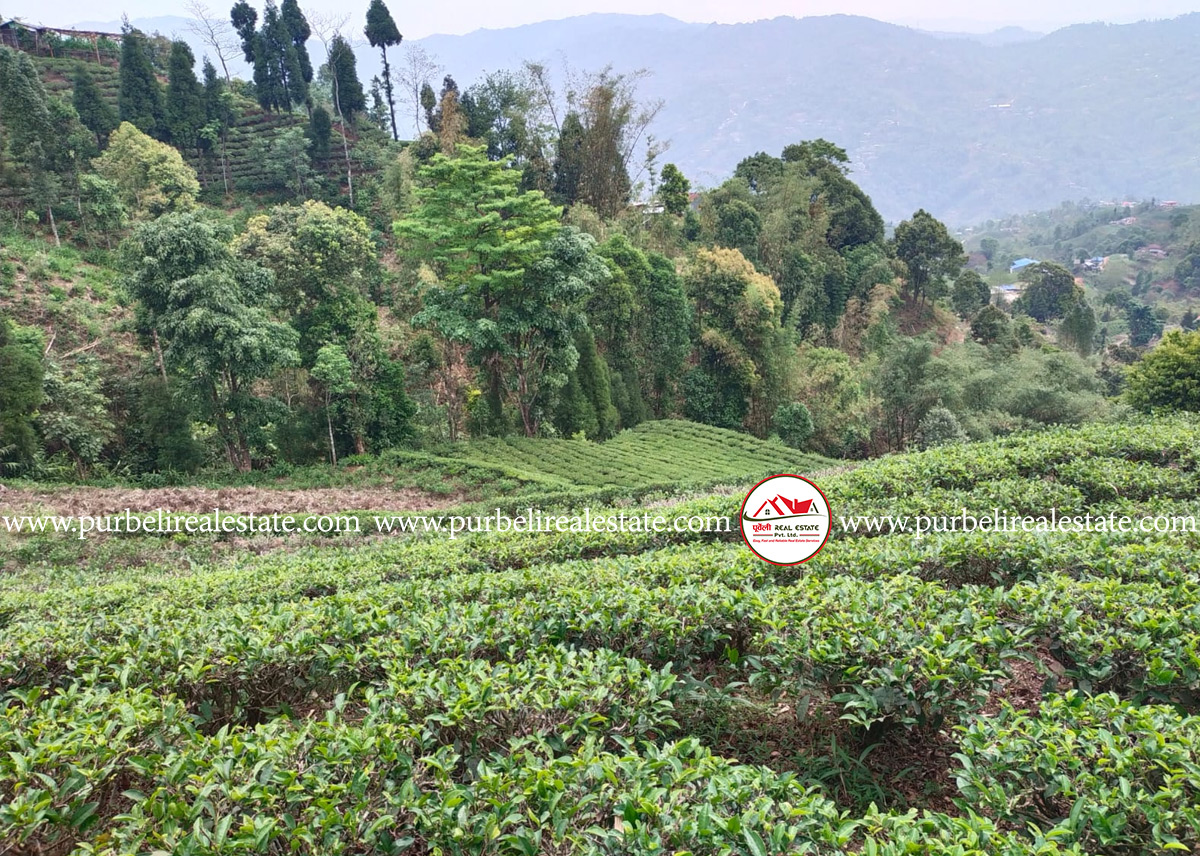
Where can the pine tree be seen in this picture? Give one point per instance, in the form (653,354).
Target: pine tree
(348,96)
(185,107)
(382,33)
(96,114)
(139,101)
(568,162)
(245,21)
(300,32)
(320,132)
(26,119)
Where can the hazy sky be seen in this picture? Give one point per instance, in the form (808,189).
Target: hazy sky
(461,16)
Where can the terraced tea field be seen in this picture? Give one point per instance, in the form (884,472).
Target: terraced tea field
(666,452)
(639,693)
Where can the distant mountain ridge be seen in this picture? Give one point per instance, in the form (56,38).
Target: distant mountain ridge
(967,126)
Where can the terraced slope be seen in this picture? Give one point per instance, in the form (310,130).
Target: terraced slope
(640,693)
(662,452)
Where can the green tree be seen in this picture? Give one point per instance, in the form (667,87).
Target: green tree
(212,313)
(139,99)
(585,404)
(74,418)
(96,114)
(21,394)
(674,190)
(794,424)
(989,247)
(326,269)
(381,31)
(970,294)
(1168,377)
(742,346)
(219,116)
(568,161)
(151,177)
(1078,328)
(26,119)
(1144,325)
(1050,291)
(348,96)
(184,107)
(103,211)
(940,427)
(903,389)
(991,325)
(930,254)
(320,134)
(480,235)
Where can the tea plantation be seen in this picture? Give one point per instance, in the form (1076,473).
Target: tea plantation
(639,693)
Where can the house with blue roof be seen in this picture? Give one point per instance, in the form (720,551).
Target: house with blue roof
(1021,263)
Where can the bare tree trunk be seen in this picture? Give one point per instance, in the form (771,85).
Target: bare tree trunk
(329,425)
(158,357)
(53,226)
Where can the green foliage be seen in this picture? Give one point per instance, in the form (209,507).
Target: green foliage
(21,373)
(1078,328)
(1050,291)
(743,347)
(381,31)
(140,100)
(970,294)
(184,106)
(794,424)
(1168,377)
(673,190)
(991,326)
(348,96)
(486,265)
(1098,771)
(211,311)
(96,114)
(938,427)
(150,177)
(930,254)
(74,417)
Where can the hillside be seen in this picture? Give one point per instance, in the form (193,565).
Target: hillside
(1146,249)
(966,126)
(615,694)
(1095,111)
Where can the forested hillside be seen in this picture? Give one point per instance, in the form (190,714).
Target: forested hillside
(203,273)
(968,127)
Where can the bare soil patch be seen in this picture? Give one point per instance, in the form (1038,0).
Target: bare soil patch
(96,501)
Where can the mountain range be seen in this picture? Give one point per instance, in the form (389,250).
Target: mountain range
(967,126)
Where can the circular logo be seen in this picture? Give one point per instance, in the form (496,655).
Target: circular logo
(785,519)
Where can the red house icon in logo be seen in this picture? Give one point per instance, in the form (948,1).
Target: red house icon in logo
(783,507)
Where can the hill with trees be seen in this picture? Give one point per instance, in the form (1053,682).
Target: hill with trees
(968,127)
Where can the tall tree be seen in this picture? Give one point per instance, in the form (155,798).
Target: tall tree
(674,190)
(1050,291)
(481,235)
(26,118)
(348,95)
(568,160)
(21,373)
(213,31)
(96,114)
(299,32)
(139,100)
(416,69)
(184,107)
(213,315)
(219,116)
(150,177)
(382,33)
(930,253)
